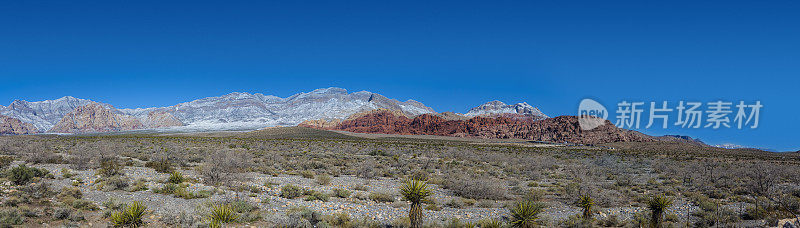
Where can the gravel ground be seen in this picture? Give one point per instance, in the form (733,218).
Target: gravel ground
(269,200)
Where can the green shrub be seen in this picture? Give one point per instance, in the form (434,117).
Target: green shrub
(66,173)
(69,194)
(168,189)
(5,161)
(84,205)
(361,187)
(242,206)
(291,191)
(315,195)
(433,207)
(490,223)
(139,185)
(381,197)
(341,193)
(10,217)
(109,166)
(160,165)
(754,213)
(115,183)
(323,179)
(112,204)
(186,194)
(176,178)
(23,174)
(131,216)
(307,174)
(454,203)
(339,220)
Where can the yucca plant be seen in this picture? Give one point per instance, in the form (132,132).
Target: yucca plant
(586,202)
(221,214)
(176,177)
(658,204)
(130,216)
(524,214)
(415,191)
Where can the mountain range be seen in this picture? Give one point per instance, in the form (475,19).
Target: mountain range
(492,125)
(234,111)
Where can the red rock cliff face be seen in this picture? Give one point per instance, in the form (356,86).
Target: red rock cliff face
(95,118)
(12,126)
(559,129)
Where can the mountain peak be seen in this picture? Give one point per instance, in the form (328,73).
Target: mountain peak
(330,90)
(498,107)
(494,103)
(232,111)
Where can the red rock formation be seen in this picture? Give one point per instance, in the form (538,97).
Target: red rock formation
(563,129)
(333,123)
(13,126)
(95,118)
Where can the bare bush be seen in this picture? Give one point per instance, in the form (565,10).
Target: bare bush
(475,187)
(222,167)
(82,159)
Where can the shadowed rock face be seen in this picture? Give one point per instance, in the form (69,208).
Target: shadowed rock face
(13,126)
(95,118)
(563,129)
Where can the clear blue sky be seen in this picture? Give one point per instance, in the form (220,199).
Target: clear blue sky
(450,55)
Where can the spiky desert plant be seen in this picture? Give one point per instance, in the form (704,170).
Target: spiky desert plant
(415,191)
(586,202)
(658,204)
(131,216)
(221,214)
(524,214)
(176,177)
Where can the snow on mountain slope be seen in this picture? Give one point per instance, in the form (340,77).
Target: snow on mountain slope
(250,111)
(244,111)
(498,107)
(43,114)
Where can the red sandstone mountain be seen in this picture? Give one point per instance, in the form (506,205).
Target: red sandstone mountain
(563,129)
(94,117)
(13,126)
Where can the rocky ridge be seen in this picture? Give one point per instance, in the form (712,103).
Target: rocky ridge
(495,108)
(43,114)
(13,126)
(234,111)
(94,117)
(562,129)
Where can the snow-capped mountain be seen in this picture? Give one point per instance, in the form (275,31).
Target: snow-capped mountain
(249,111)
(730,146)
(498,107)
(737,146)
(228,112)
(42,114)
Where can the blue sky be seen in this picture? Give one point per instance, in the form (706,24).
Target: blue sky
(450,55)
